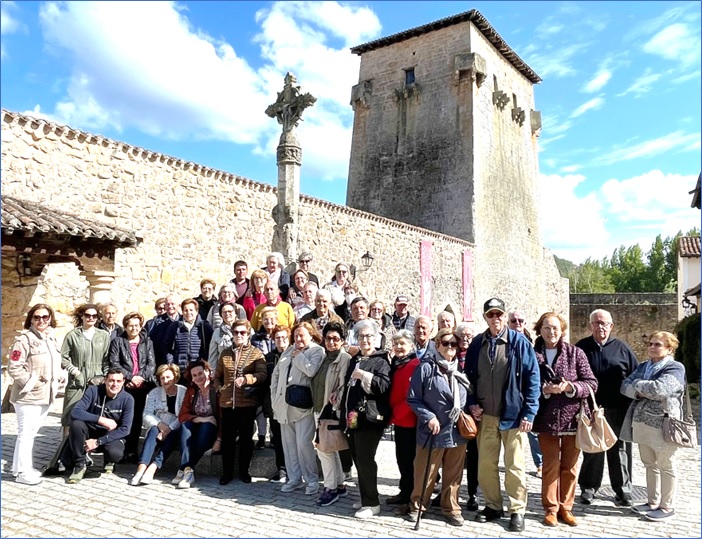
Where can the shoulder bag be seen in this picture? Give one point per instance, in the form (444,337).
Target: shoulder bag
(593,435)
(298,396)
(466,425)
(681,432)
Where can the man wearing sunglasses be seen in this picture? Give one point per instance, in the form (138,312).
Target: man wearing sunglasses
(501,366)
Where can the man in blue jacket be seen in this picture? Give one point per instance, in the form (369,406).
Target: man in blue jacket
(102,418)
(502,368)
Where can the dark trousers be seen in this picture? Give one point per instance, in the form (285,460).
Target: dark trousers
(78,433)
(195,440)
(619,460)
(472,467)
(157,451)
(139,394)
(363,445)
(346,460)
(277,442)
(405,449)
(237,422)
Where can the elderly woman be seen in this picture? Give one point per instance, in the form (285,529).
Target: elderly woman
(365,412)
(84,354)
(255,295)
(298,280)
(206,299)
(376,311)
(296,367)
(160,418)
(566,379)
(133,352)
(464,331)
(438,393)
(240,370)
(35,370)
(403,364)
(657,386)
(222,336)
(327,390)
(275,264)
(199,420)
(281,337)
(263,340)
(227,294)
(337,284)
(188,339)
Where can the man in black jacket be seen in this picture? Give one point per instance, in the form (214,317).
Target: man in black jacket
(611,361)
(101,419)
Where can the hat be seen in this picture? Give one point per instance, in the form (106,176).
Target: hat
(494,304)
(401,299)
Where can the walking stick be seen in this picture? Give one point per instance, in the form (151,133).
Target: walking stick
(424,482)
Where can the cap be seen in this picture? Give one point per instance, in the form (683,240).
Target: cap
(401,299)
(494,304)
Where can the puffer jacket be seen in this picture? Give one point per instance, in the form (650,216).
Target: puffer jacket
(557,413)
(121,356)
(303,367)
(186,346)
(651,398)
(247,361)
(35,368)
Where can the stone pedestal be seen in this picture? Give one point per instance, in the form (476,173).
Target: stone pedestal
(100,285)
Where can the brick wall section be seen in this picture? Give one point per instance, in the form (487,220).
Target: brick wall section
(634,315)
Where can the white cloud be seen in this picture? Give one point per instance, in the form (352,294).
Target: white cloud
(8,23)
(571,168)
(172,80)
(598,81)
(642,85)
(594,104)
(556,61)
(676,42)
(650,148)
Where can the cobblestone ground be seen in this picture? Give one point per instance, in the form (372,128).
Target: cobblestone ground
(106,506)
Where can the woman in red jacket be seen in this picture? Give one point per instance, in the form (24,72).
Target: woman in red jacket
(404,362)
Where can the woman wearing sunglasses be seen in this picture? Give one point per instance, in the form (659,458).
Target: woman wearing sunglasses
(84,354)
(35,369)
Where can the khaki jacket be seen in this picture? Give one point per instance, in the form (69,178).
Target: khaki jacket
(35,368)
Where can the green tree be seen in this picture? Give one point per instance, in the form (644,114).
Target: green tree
(628,269)
(657,277)
(591,277)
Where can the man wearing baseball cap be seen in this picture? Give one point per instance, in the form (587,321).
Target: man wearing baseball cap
(401,318)
(502,368)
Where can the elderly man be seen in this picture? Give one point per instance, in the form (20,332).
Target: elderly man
(502,368)
(323,312)
(423,327)
(359,311)
(159,329)
(401,318)
(108,320)
(445,320)
(309,292)
(611,361)
(286,316)
(304,261)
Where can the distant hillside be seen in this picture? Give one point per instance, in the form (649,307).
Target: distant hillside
(565,267)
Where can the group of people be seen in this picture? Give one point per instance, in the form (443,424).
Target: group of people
(273,348)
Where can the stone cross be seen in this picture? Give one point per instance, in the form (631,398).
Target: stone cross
(288,109)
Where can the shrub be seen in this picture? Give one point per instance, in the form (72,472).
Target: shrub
(688,353)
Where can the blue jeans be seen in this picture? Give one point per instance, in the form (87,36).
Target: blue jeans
(157,450)
(535,450)
(195,440)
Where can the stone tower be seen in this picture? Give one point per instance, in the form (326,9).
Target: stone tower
(444,135)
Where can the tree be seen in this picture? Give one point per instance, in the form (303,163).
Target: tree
(657,278)
(628,269)
(591,277)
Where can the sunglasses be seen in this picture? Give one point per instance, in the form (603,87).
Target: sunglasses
(239,332)
(43,318)
(88,315)
(656,344)
(332,339)
(494,314)
(304,261)
(517,321)
(450,344)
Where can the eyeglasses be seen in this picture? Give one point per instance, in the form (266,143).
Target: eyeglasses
(43,318)
(656,344)
(450,344)
(244,332)
(517,321)
(601,323)
(227,311)
(282,338)
(341,271)
(305,261)
(88,315)
(377,309)
(331,338)
(494,314)
(366,337)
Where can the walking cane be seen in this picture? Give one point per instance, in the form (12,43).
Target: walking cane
(424,482)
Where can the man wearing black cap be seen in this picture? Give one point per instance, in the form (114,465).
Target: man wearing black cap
(502,368)
(401,318)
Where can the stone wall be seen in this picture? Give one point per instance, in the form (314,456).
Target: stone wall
(635,316)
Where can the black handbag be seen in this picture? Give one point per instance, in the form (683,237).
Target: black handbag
(297,395)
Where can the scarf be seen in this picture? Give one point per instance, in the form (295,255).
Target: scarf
(226,337)
(651,368)
(450,369)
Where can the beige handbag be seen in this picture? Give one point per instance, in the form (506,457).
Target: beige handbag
(681,432)
(593,435)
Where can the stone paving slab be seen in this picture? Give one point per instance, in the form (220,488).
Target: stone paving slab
(106,506)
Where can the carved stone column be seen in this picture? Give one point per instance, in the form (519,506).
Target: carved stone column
(100,284)
(287,212)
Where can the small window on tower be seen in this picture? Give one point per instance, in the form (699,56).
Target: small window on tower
(409,76)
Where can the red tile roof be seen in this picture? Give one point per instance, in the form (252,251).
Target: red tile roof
(689,246)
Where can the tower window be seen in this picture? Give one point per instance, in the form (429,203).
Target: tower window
(409,76)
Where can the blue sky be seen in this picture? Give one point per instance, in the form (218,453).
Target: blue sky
(620,97)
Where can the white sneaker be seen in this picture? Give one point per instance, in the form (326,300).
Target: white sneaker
(28,479)
(178,478)
(188,478)
(290,486)
(357,505)
(312,488)
(136,480)
(367,512)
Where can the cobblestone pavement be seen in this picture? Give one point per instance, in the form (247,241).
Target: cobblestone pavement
(106,506)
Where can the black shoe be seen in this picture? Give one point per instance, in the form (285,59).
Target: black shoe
(225,479)
(586,496)
(489,514)
(436,501)
(245,478)
(261,444)
(472,504)
(516,522)
(54,471)
(396,500)
(623,500)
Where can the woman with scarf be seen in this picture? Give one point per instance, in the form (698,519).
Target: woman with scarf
(365,412)
(241,373)
(222,336)
(263,340)
(566,379)
(327,390)
(657,386)
(437,394)
(404,362)
(254,295)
